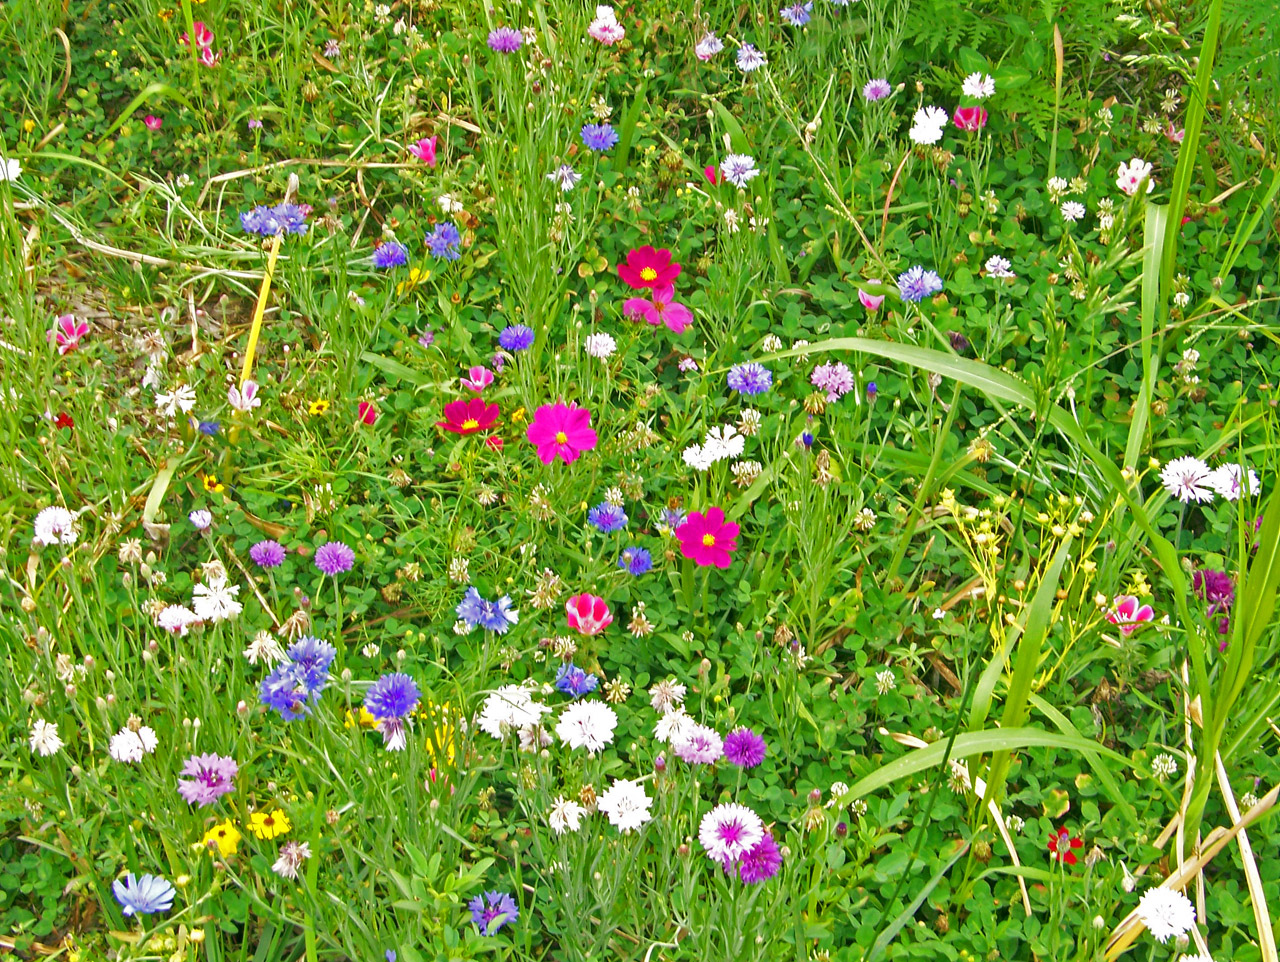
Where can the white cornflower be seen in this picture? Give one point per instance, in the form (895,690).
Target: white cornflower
(216,601)
(673,726)
(1164,765)
(534,738)
(998,266)
(182,398)
(587,724)
(723,442)
(626,805)
(131,746)
(978,86)
(1130,175)
(565,177)
(1166,913)
(55,525)
(1072,211)
(927,125)
(666,695)
(509,709)
(176,619)
(738,169)
(265,648)
(10,169)
(565,815)
(729,831)
(885,681)
(698,457)
(600,345)
(1187,479)
(44,738)
(449,204)
(750,59)
(1229,479)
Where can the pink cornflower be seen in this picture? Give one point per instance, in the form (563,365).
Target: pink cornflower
(1126,613)
(209,778)
(833,377)
(478,378)
(699,745)
(561,431)
(663,309)
(708,538)
(425,150)
(588,614)
(67,332)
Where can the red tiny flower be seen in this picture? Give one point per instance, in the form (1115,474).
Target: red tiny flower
(494,441)
(367,412)
(970,118)
(1060,846)
(646,267)
(63,420)
(468,417)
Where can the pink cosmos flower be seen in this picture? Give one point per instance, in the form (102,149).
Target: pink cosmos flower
(478,378)
(709,172)
(871,302)
(425,150)
(647,267)
(708,538)
(367,412)
(152,122)
(561,431)
(970,118)
(588,614)
(67,331)
(1126,614)
(661,310)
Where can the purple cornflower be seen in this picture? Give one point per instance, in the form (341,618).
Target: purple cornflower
(750,378)
(607,518)
(334,557)
(208,427)
(834,377)
(505,40)
(599,137)
(761,862)
(287,690)
(477,612)
(1214,587)
(806,440)
(491,911)
(443,241)
(635,561)
(572,680)
(392,697)
(143,895)
(672,518)
(744,748)
(797,14)
(267,554)
(516,337)
(391,254)
(281,219)
(916,283)
(210,777)
(876,89)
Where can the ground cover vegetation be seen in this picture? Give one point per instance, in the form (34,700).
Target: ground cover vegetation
(683,480)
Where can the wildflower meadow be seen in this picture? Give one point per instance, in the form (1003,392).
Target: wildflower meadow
(718,480)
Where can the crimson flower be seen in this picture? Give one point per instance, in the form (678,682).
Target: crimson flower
(646,267)
(367,412)
(1061,844)
(588,614)
(709,172)
(63,420)
(561,431)
(970,118)
(468,417)
(708,538)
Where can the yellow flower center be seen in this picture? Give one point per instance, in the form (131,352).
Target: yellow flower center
(648,274)
(470,424)
(562,438)
(709,540)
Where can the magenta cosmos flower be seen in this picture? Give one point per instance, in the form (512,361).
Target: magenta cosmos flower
(708,538)
(647,267)
(1127,613)
(561,431)
(662,309)
(588,614)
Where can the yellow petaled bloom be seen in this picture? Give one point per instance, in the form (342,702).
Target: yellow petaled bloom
(267,825)
(317,407)
(363,719)
(211,483)
(416,277)
(440,729)
(517,416)
(28,125)
(224,837)
(166,15)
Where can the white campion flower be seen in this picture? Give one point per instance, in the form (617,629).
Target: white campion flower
(130,747)
(44,738)
(1167,914)
(978,86)
(927,125)
(626,805)
(55,525)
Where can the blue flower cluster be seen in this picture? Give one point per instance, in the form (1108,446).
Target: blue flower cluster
(607,518)
(443,241)
(496,616)
(916,283)
(280,219)
(296,683)
(572,680)
(750,378)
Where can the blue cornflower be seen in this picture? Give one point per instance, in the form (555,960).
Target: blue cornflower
(599,136)
(492,911)
(635,561)
(289,688)
(471,608)
(390,254)
(312,654)
(606,517)
(916,283)
(496,616)
(806,440)
(516,337)
(572,680)
(797,14)
(872,390)
(750,378)
(444,240)
(672,518)
(208,427)
(144,895)
(280,219)
(392,696)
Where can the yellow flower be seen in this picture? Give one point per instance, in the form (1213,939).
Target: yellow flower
(223,837)
(416,277)
(364,719)
(166,15)
(267,825)
(211,483)
(28,125)
(517,416)
(317,407)
(440,732)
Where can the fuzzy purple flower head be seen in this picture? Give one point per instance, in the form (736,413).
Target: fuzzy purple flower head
(491,911)
(750,378)
(505,40)
(209,778)
(761,863)
(267,554)
(876,89)
(392,697)
(334,558)
(744,748)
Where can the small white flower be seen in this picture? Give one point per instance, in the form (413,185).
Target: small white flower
(723,442)
(838,791)
(1130,175)
(1164,765)
(508,710)
(265,648)
(927,125)
(626,805)
(216,601)
(182,398)
(1229,479)
(55,525)
(600,345)
(698,457)
(10,169)
(44,738)
(739,169)
(587,724)
(129,746)
(1057,188)
(449,204)
(1187,479)
(1166,913)
(978,86)
(1181,299)
(666,695)
(176,619)
(885,681)
(998,266)
(938,614)
(673,726)
(565,815)
(1072,211)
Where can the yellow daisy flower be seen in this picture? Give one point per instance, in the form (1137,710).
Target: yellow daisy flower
(224,837)
(267,825)
(211,483)
(317,407)
(363,719)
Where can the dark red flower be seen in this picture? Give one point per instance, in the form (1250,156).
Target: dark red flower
(468,417)
(367,412)
(1060,846)
(646,267)
(63,420)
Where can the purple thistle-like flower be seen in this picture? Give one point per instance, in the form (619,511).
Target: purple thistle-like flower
(761,863)
(492,911)
(834,377)
(392,696)
(443,241)
(916,283)
(750,378)
(744,748)
(607,518)
(572,680)
(391,254)
(209,777)
(267,554)
(505,40)
(797,14)
(516,337)
(1214,587)
(635,561)
(876,89)
(288,690)
(599,137)
(334,558)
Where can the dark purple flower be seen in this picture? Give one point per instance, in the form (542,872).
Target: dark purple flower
(492,911)
(505,40)
(1214,587)
(267,554)
(761,863)
(392,696)
(209,778)
(959,343)
(744,748)
(334,557)
(635,561)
